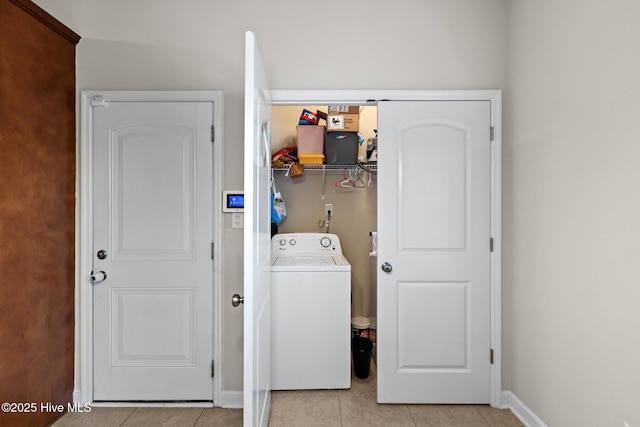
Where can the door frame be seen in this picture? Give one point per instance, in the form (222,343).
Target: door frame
(371,97)
(83,390)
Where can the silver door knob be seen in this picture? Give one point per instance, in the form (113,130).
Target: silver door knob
(236,300)
(98,276)
(386,267)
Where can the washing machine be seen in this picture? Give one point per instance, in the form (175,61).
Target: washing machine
(310,312)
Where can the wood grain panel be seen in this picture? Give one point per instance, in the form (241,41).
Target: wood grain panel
(37,210)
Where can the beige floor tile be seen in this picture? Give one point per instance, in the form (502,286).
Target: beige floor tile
(304,408)
(219,417)
(447,416)
(499,417)
(104,417)
(360,387)
(363,411)
(291,409)
(279,394)
(169,417)
(365,386)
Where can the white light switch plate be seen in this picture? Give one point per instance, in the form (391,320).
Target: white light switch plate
(237,220)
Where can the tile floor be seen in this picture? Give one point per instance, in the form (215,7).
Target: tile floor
(325,408)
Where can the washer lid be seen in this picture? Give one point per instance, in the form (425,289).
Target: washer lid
(310,263)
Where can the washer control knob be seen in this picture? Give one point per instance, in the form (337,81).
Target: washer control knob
(283,242)
(325,242)
(292,242)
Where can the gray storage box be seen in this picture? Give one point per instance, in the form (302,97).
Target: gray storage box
(341,148)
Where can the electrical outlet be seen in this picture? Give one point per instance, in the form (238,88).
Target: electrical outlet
(328,208)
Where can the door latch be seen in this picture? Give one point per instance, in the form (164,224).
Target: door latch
(97,277)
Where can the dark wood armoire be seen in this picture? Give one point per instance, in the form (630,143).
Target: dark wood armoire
(37,213)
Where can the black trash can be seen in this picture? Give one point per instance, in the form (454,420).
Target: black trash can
(361,348)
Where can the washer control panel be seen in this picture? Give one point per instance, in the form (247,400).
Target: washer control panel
(305,243)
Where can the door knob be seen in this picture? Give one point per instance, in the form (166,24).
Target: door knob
(236,300)
(386,267)
(98,276)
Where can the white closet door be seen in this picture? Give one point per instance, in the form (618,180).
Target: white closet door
(257,239)
(434,236)
(153,169)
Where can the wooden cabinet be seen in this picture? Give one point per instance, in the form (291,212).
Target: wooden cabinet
(37,211)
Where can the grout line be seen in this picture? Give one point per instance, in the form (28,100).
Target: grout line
(483,417)
(340,408)
(198,419)
(411,415)
(128,416)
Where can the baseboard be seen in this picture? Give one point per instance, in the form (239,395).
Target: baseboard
(232,399)
(520,410)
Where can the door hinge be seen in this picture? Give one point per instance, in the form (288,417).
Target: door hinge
(491,356)
(213,133)
(491,133)
(212,369)
(212,250)
(98,101)
(491,244)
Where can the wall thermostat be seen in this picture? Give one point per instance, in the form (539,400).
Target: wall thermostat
(233,201)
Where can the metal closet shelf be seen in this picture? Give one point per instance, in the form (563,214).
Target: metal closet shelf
(313,169)
(332,170)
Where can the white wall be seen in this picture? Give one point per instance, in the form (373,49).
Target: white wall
(572,211)
(359,44)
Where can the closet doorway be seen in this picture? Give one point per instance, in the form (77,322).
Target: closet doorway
(471,350)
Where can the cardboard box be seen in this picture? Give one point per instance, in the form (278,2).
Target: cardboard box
(343,118)
(344,109)
(308,118)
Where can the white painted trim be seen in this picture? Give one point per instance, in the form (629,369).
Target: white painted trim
(84,324)
(83,392)
(218,177)
(496,255)
(370,97)
(520,410)
(232,399)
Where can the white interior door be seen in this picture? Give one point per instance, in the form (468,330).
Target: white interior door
(152,205)
(434,219)
(257,238)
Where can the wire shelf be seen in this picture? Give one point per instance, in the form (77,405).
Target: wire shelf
(331,169)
